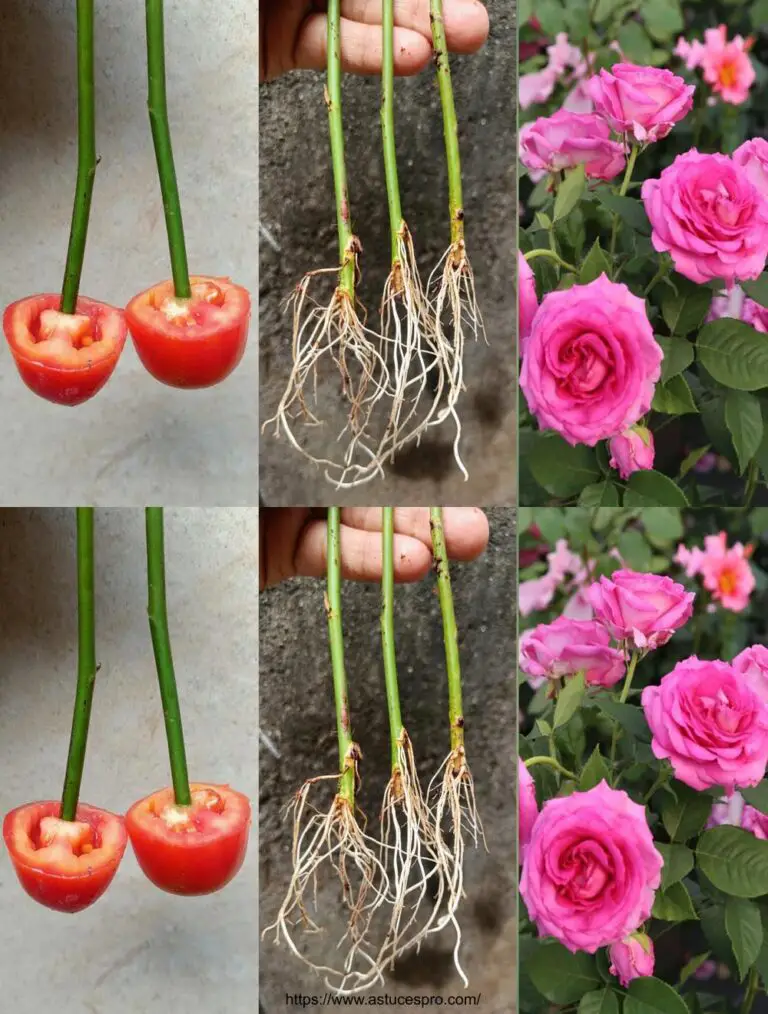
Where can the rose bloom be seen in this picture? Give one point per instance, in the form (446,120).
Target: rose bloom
(590,869)
(753,663)
(726,65)
(710,724)
(566,140)
(527,807)
(632,451)
(565,647)
(752,156)
(643,610)
(726,573)
(631,958)
(707,214)
(736,812)
(591,362)
(737,305)
(528,302)
(642,102)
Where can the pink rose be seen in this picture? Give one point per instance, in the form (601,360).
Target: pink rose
(643,102)
(527,807)
(565,140)
(709,217)
(736,304)
(752,156)
(726,572)
(736,812)
(632,451)
(690,52)
(710,724)
(726,65)
(564,647)
(755,822)
(643,610)
(631,958)
(753,663)
(590,869)
(528,302)
(591,362)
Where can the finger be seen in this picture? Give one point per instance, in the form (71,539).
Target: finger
(466,528)
(279,530)
(360,48)
(361,558)
(466,21)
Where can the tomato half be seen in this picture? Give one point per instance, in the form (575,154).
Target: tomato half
(65,865)
(190,849)
(64,357)
(193,342)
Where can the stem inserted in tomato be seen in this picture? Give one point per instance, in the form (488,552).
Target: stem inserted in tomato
(161,645)
(388,633)
(450,122)
(161,136)
(450,631)
(347,748)
(86,157)
(86,664)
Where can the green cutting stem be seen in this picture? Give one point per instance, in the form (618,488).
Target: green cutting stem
(388,630)
(450,123)
(347,256)
(157,103)
(161,644)
(86,664)
(388,124)
(336,642)
(86,158)
(450,631)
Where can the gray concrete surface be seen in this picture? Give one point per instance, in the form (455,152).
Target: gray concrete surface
(296,205)
(296,708)
(137,440)
(137,949)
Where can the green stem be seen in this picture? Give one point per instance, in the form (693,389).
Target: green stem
(388,124)
(633,153)
(450,123)
(86,664)
(161,136)
(751,993)
(161,645)
(388,630)
(550,762)
(551,255)
(347,242)
(347,750)
(86,158)
(622,699)
(450,632)
(752,479)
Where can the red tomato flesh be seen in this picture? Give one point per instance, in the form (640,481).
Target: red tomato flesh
(64,357)
(65,865)
(193,342)
(190,849)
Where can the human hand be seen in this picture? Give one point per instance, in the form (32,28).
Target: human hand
(293,34)
(293,542)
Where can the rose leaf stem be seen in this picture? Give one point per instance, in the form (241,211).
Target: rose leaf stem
(388,124)
(751,993)
(347,751)
(622,699)
(450,632)
(157,104)
(450,123)
(550,255)
(347,241)
(161,645)
(634,151)
(550,762)
(86,664)
(86,157)
(388,631)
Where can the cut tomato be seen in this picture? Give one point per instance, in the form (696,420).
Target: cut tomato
(190,849)
(64,357)
(65,865)
(193,342)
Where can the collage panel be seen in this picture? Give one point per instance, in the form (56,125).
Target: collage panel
(392,886)
(643,753)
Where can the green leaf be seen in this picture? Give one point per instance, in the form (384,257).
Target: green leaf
(734,354)
(634,550)
(563,470)
(691,460)
(734,860)
(678,863)
(653,489)
(684,310)
(674,397)
(678,356)
(653,996)
(570,192)
(629,717)
(599,494)
(745,931)
(686,815)
(744,419)
(663,524)
(595,264)
(599,1001)
(663,18)
(628,209)
(569,699)
(758,289)
(757,796)
(674,905)
(692,966)
(560,976)
(635,44)
(551,16)
(594,772)
(605,9)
